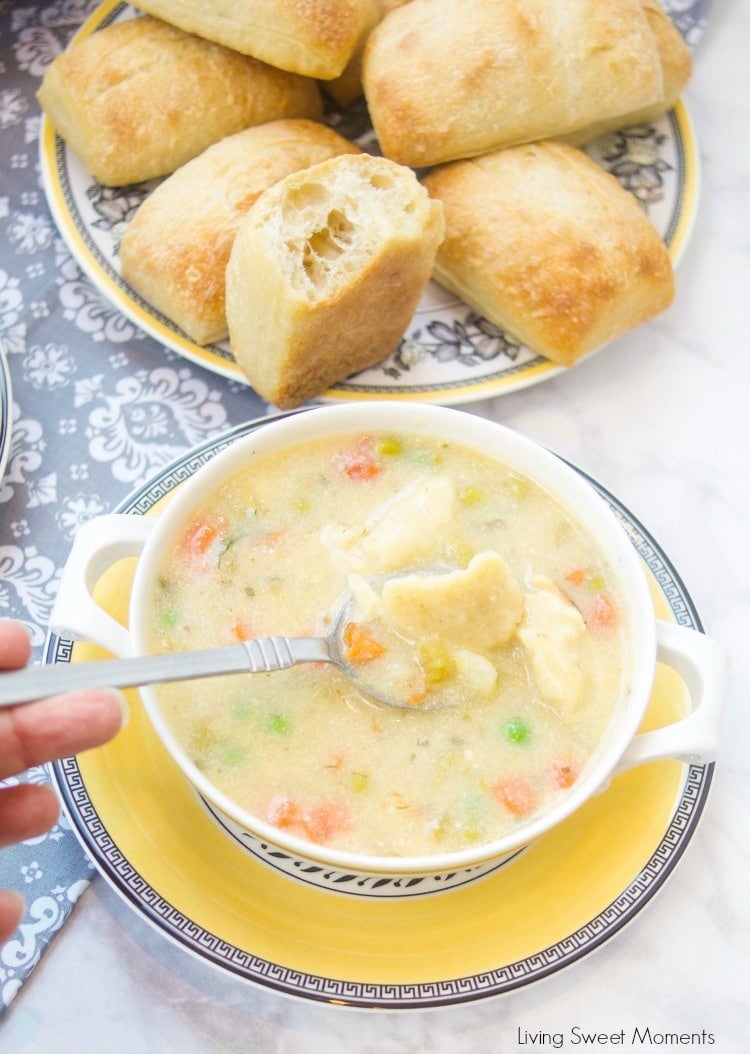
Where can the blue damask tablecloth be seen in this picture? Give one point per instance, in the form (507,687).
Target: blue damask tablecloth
(96,407)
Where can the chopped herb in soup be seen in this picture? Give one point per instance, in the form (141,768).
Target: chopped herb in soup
(480,603)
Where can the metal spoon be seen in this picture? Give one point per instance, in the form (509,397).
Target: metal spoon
(259,655)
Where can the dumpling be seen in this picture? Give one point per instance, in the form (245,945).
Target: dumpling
(476,608)
(551,633)
(400,534)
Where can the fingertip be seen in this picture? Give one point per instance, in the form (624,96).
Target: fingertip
(64,724)
(12,910)
(15,644)
(123,705)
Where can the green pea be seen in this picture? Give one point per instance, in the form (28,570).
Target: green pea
(279,724)
(517,731)
(168,618)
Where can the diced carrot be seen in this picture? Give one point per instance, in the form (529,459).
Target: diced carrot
(325,820)
(198,538)
(319,822)
(273,539)
(360,647)
(418,690)
(359,462)
(576,577)
(242,629)
(283,812)
(603,612)
(362,468)
(564,772)
(515,794)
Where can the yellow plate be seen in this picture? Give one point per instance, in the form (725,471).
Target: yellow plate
(573,889)
(449,354)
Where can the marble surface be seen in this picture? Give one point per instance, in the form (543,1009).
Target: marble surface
(660,418)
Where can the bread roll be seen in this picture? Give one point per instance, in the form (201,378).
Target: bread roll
(446,80)
(549,247)
(313,37)
(347,87)
(325,274)
(676,65)
(139,98)
(176,248)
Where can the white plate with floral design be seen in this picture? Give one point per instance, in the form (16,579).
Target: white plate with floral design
(449,353)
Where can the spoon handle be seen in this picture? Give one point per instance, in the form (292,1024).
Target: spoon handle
(261,655)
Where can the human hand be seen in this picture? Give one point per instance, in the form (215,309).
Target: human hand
(33,734)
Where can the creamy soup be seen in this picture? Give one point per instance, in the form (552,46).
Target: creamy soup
(478,602)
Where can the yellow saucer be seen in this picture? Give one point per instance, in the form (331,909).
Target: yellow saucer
(573,889)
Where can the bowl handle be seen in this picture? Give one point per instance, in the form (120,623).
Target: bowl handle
(97,545)
(703,666)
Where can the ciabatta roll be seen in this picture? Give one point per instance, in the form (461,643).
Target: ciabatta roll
(325,274)
(139,98)
(176,248)
(549,247)
(446,80)
(313,37)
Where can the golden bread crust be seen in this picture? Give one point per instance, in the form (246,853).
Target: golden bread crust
(326,272)
(176,248)
(549,247)
(445,81)
(139,98)
(677,67)
(315,38)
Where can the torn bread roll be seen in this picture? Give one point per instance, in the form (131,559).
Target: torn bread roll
(549,247)
(326,272)
(176,248)
(445,81)
(139,98)
(676,66)
(316,38)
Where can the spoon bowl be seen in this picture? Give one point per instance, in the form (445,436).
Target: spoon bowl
(256,655)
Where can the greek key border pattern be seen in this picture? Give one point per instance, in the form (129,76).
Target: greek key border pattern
(253,968)
(667,578)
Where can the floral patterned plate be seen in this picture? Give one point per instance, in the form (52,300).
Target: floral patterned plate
(449,353)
